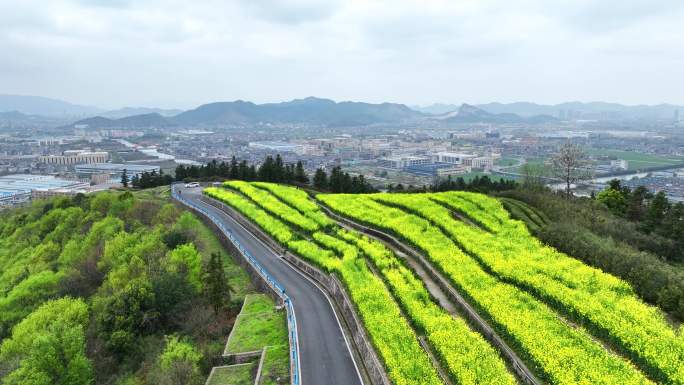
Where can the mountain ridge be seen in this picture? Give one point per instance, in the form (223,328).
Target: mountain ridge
(595,109)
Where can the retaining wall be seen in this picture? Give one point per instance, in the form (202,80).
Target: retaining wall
(337,291)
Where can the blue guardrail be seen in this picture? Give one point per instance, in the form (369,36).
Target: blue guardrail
(291,319)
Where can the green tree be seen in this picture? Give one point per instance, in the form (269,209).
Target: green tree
(216,285)
(180,362)
(126,314)
(124,178)
(187,258)
(636,203)
(613,199)
(48,346)
(234,171)
(656,212)
(320,180)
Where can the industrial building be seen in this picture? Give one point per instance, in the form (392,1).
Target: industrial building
(97,171)
(401,162)
(75,157)
(275,146)
(438,169)
(453,158)
(19,188)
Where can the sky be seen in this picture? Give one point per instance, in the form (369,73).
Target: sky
(180,53)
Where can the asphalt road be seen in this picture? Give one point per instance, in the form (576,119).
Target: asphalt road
(325,357)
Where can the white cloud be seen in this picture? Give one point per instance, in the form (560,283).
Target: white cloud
(179,53)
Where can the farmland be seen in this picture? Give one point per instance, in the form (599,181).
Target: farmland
(636,160)
(569,322)
(389,303)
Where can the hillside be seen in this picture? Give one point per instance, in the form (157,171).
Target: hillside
(591,110)
(152,120)
(530,294)
(132,111)
(467,113)
(116,285)
(314,111)
(38,105)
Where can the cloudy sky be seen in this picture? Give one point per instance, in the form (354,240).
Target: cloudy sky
(180,53)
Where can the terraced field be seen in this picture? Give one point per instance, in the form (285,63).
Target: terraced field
(570,323)
(389,302)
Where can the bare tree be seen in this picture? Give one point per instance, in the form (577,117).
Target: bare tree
(570,164)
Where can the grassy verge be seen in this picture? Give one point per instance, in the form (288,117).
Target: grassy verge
(233,375)
(258,325)
(276,368)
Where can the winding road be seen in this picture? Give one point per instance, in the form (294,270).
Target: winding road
(325,355)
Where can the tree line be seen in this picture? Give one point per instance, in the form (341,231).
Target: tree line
(146,179)
(653,214)
(482,184)
(274,169)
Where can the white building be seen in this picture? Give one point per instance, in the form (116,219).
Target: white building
(482,162)
(453,158)
(274,146)
(75,157)
(619,164)
(400,162)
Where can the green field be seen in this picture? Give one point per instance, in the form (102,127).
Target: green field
(233,375)
(258,325)
(506,162)
(637,160)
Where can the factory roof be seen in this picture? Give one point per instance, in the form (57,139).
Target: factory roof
(116,167)
(22,183)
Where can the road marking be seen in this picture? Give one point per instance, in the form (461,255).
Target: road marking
(358,373)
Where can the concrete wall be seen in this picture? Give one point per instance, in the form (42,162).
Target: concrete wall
(337,291)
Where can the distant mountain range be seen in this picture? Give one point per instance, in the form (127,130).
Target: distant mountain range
(46,107)
(153,120)
(569,110)
(313,111)
(309,111)
(467,113)
(38,105)
(131,111)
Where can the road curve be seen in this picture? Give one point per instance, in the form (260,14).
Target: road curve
(325,356)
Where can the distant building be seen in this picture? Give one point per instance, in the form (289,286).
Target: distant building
(619,164)
(275,146)
(401,162)
(452,158)
(18,188)
(75,157)
(482,162)
(676,116)
(114,170)
(438,169)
